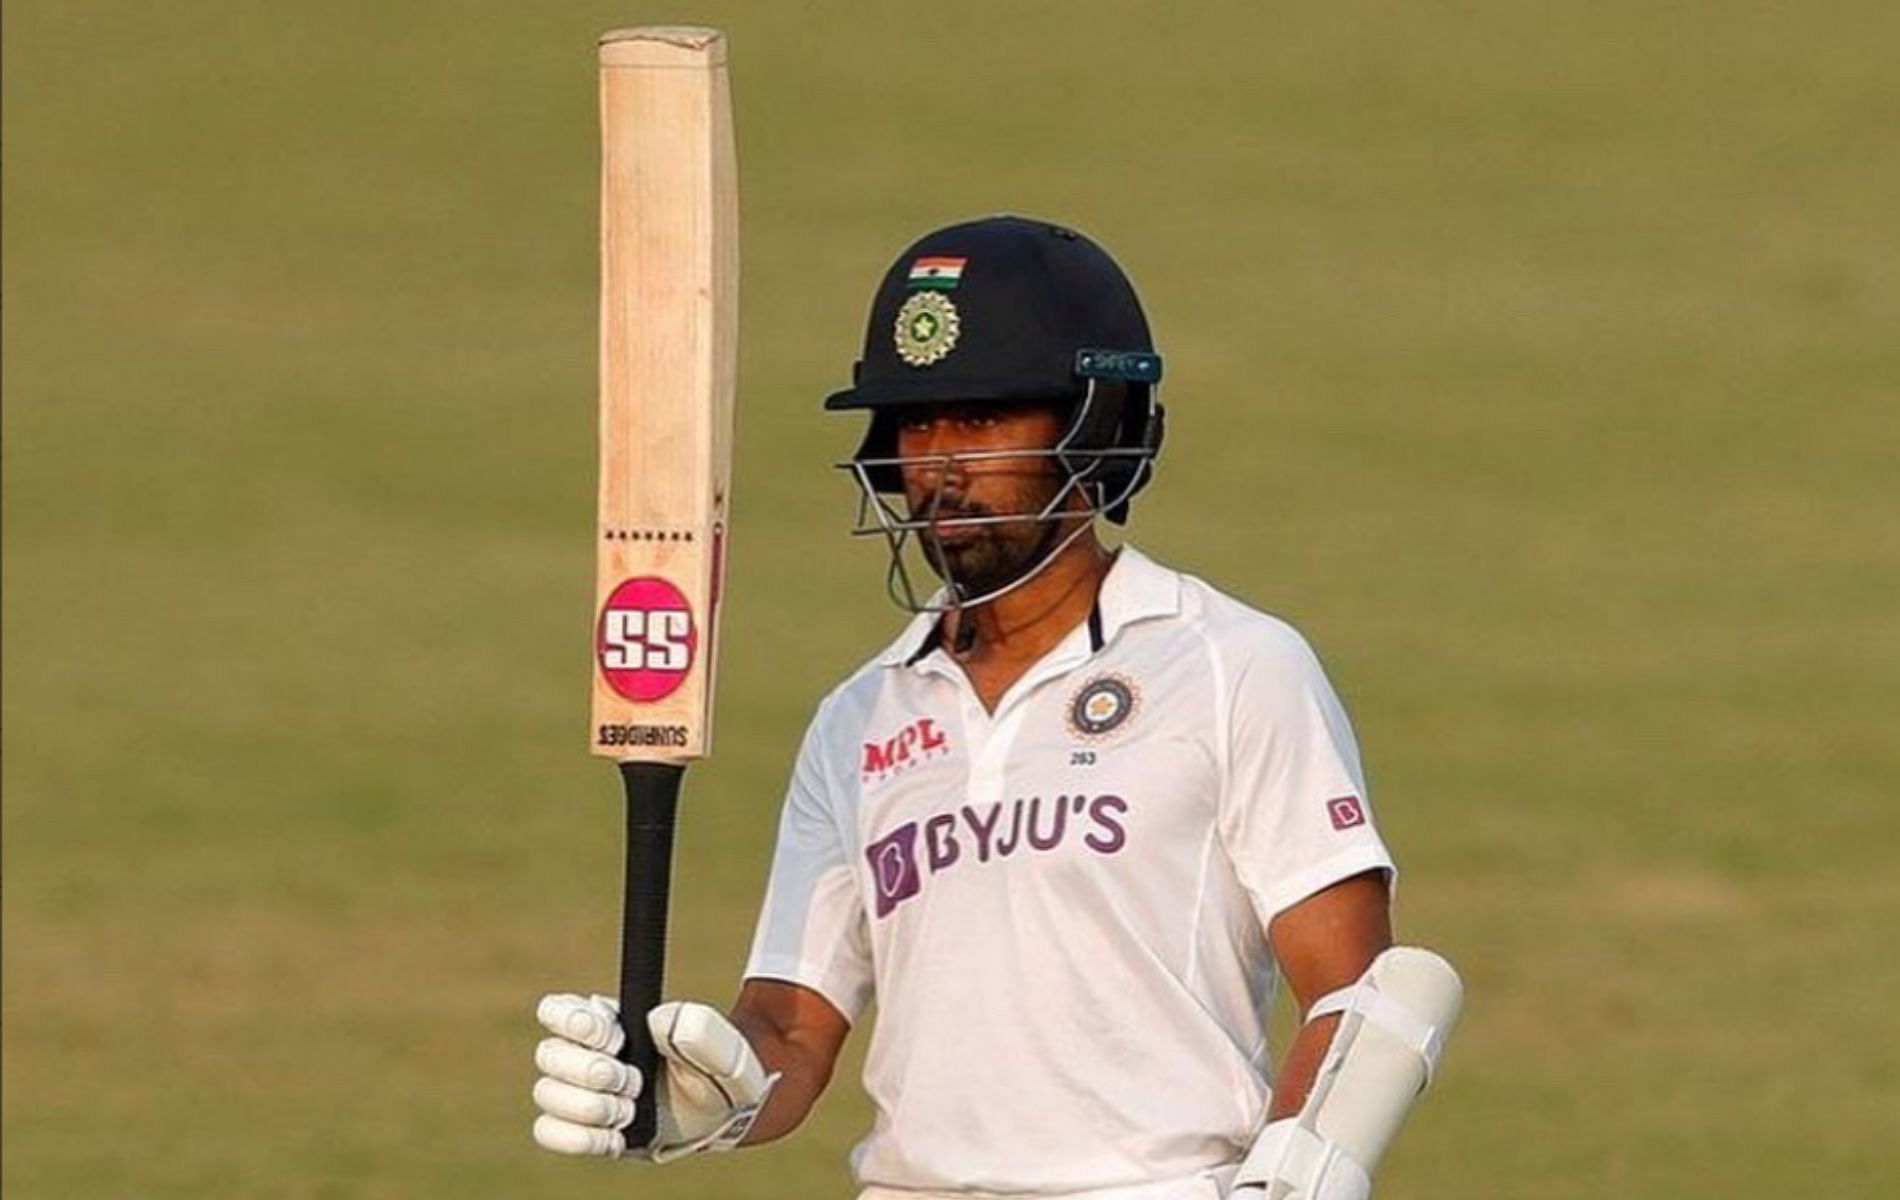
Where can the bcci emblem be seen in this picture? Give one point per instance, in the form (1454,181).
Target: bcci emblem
(927,328)
(1103,705)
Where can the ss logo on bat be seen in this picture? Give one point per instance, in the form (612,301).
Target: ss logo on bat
(637,640)
(646,640)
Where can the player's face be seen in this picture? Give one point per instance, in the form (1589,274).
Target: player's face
(982,557)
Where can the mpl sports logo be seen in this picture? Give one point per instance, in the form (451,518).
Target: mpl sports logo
(914,743)
(646,640)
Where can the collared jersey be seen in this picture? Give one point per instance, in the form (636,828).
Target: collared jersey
(1060,906)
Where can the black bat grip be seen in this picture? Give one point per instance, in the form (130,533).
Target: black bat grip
(653,793)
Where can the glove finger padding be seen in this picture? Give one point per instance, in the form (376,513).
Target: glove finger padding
(714,1085)
(582,1141)
(590,1021)
(718,1056)
(576,1064)
(603,1110)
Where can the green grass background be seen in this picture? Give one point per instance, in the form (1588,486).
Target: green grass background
(1540,361)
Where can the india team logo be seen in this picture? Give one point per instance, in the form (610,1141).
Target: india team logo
(1103,705)
(647,639)
(927,328)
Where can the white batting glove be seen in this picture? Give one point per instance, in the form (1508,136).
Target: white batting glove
(712,1089)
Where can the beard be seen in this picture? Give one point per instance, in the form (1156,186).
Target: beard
(979,559)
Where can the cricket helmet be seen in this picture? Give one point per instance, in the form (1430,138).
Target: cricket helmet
(1013,309)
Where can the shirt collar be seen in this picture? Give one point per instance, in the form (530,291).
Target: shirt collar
(1136,588)
(910,643)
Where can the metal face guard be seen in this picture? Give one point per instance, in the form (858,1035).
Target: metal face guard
(877,515)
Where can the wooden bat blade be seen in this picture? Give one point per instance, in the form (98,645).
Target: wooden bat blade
(668,342)
(669,272)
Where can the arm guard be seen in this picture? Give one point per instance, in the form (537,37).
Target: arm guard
(1395,1021)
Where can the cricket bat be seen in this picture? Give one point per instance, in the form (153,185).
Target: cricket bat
(669,274)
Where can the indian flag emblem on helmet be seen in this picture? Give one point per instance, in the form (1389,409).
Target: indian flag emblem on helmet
(937,271)
(927,328)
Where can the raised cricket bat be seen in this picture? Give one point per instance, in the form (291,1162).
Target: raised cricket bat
(669,312)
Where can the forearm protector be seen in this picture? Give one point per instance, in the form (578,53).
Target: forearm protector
(1393,1026)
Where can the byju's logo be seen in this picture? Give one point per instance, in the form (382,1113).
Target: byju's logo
(893,861)
(919,740)
(1346,812)
(972,838)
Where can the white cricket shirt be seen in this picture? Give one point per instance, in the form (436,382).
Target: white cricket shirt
(1060,907)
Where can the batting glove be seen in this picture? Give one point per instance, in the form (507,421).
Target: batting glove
(712,1089)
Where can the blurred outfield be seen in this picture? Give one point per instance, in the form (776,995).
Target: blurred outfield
(1540,361)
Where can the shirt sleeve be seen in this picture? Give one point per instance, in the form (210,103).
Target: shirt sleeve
(1294,815)
(812,929)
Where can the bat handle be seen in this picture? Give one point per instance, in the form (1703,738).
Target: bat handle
(653,792)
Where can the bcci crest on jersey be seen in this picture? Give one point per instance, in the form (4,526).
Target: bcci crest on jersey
(1103,705)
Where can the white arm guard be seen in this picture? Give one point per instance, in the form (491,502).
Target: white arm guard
(710,1093)
(1396,1019)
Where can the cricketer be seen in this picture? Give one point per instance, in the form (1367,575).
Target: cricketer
(1067,832)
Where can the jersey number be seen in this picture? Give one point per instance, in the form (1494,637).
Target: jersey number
(638,640)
